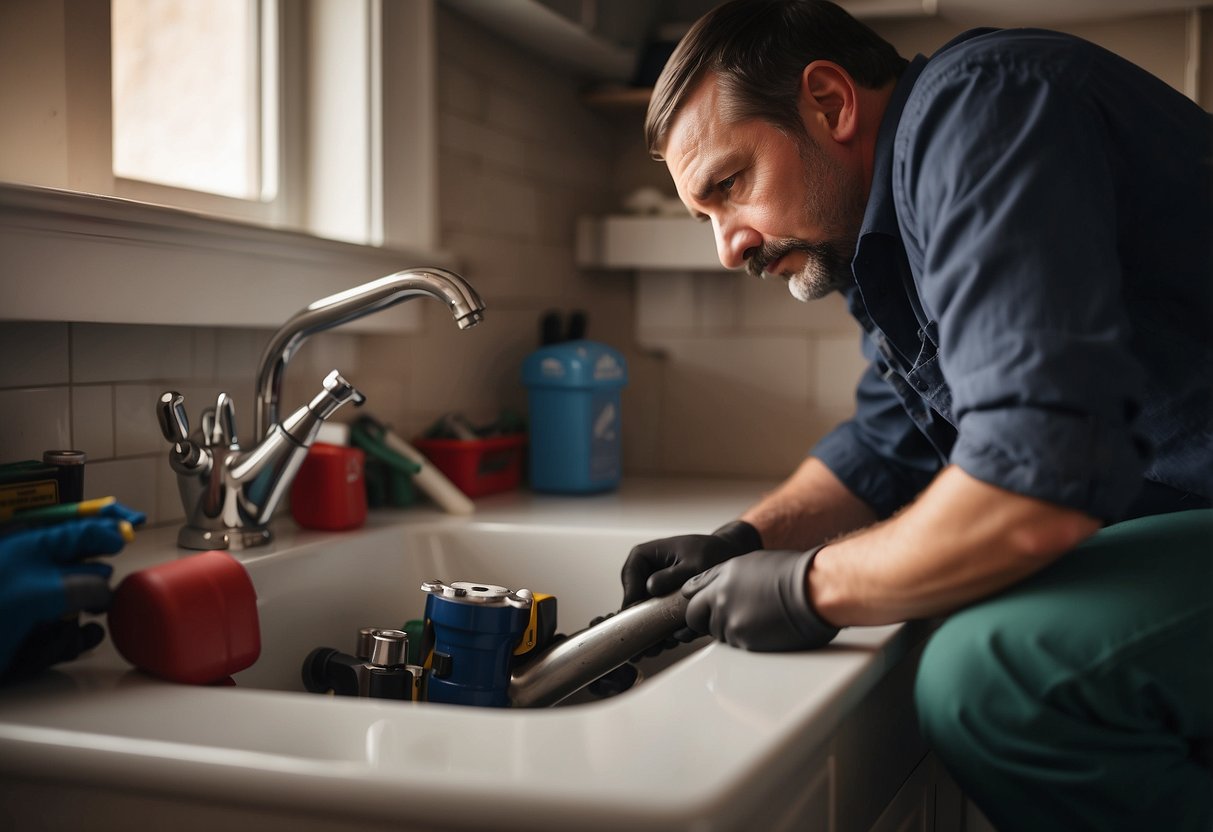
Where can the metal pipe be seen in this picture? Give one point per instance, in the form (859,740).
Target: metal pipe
(572,664)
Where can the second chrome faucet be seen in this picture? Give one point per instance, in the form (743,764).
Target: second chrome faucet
(230,494)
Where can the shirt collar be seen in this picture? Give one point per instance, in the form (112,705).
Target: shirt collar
(880,217)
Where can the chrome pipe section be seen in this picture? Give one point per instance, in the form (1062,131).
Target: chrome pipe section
(572,664)
(463,301)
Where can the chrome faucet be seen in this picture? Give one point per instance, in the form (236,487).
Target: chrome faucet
(465,305)
(229,494)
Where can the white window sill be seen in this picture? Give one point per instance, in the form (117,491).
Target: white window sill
(75,257)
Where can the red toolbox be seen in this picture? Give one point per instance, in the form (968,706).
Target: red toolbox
(478,466)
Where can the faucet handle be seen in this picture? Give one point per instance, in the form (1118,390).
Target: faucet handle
(170,411)
(342,390)
(186,456)
(304,423)
(225,422)
(209,437)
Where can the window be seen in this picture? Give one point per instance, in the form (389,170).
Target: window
(198,93)
(338,138)
(194,86)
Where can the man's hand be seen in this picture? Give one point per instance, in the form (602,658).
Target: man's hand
(758,601)
(659,567)
(46,573)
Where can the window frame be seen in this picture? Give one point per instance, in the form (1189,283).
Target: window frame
(90,149)
(277,93)
(73,249)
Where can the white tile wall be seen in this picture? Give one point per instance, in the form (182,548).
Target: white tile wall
(133,481)
(33,354)
(665,302)
(93,419)
(136,429)
(717,302)
(115,352)
(749,377)
(33,420)
(93,388)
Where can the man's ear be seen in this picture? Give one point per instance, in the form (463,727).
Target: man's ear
(828,99)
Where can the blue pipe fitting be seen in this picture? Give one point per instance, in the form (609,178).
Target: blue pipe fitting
(476,628)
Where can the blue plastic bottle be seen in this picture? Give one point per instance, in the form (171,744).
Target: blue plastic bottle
(575,417)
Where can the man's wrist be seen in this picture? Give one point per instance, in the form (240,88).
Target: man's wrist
(811,598)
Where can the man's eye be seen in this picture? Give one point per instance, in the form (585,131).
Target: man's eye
(727,184)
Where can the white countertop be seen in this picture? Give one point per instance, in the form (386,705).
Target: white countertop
(694,747)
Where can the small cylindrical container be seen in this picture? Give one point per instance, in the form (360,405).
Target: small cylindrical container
(575,417)
(329,492)
(70,467)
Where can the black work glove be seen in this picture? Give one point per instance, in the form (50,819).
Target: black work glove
(661,566)
(49,643)
(758,602)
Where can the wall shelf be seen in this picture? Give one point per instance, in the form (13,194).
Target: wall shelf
(646,243)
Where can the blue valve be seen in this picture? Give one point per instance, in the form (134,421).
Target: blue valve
(476,628)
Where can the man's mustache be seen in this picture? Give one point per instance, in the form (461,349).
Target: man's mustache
(772,251)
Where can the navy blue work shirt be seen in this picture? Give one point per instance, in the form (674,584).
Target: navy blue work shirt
(1034,277)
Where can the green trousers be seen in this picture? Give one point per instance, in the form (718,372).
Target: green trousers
(1082,698)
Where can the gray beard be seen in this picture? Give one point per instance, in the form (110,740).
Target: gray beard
(827,266)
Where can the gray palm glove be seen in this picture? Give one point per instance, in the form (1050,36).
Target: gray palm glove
(660,567)
(758,601)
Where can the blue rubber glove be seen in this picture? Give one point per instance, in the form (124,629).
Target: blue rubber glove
(117,511)
(758,601)
(43,576)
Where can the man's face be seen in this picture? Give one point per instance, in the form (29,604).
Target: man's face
(779,205)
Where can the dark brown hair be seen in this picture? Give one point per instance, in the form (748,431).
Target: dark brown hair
(758,48)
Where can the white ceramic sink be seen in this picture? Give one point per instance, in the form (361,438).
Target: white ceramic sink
(719,740)
(323,597)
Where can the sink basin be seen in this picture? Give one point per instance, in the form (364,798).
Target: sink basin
(719,740)
(375,581)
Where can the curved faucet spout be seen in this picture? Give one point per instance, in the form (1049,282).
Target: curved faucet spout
(465,304)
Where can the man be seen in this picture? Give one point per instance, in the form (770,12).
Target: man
(1022,226)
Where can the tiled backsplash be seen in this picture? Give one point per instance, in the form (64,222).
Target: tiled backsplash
(751,377)
(93,387)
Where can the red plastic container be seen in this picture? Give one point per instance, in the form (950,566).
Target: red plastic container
(477,466)
(329,491)
(192,620)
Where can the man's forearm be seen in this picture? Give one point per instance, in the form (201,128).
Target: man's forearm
(810,507)
(962,540)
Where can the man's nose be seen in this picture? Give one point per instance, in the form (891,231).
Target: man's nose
(735,242)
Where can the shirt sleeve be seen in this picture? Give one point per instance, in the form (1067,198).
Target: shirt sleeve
(879,455)
(1006,199)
